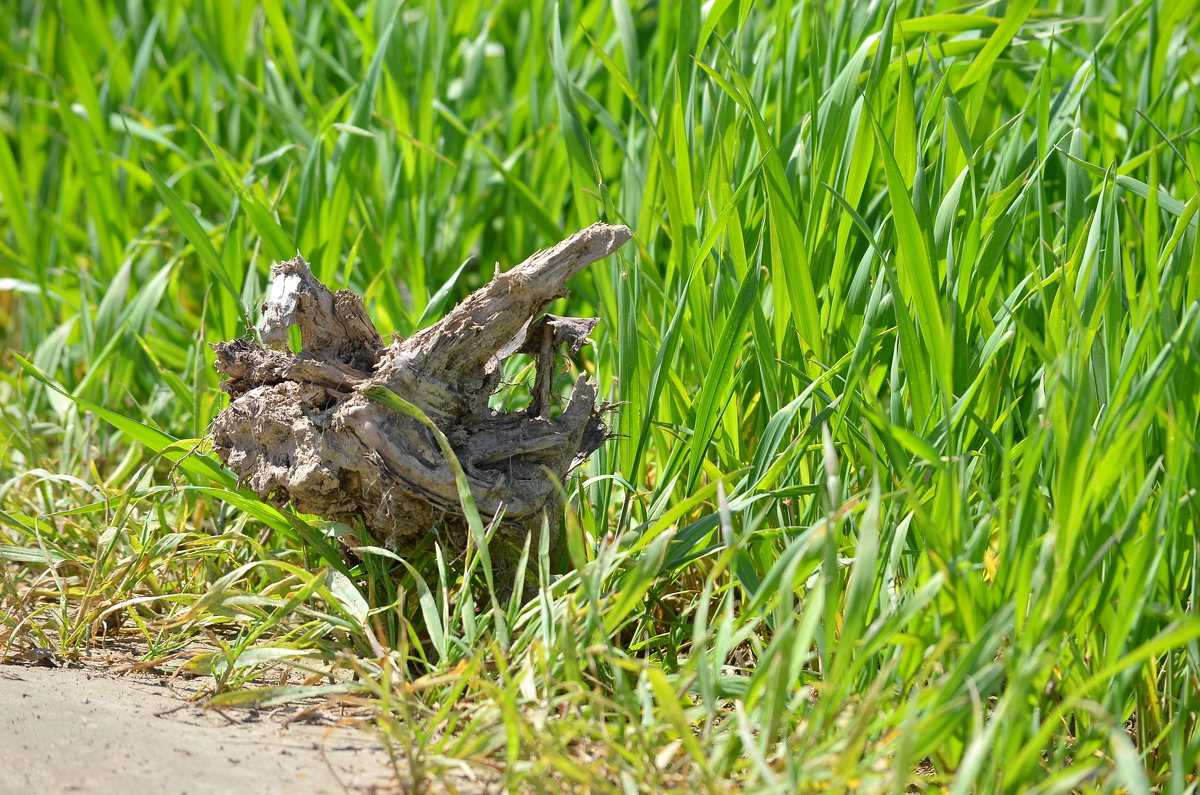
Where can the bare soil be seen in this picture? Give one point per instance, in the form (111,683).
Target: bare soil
(87,730)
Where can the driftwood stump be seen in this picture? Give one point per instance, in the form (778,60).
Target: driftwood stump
(299,429)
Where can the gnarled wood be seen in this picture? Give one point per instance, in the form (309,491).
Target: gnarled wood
(298,428)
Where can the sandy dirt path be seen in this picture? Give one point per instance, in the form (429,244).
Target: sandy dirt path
(70,730)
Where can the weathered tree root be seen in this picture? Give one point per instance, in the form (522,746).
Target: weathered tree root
(298,428)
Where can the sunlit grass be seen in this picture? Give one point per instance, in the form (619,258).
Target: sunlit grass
(907,343)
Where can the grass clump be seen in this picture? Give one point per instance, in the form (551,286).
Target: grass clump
(908,341)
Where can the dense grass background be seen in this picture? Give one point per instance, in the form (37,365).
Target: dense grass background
(908,338)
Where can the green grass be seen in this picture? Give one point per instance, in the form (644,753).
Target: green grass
(908,339)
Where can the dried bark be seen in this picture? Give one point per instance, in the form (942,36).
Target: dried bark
(299,430)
